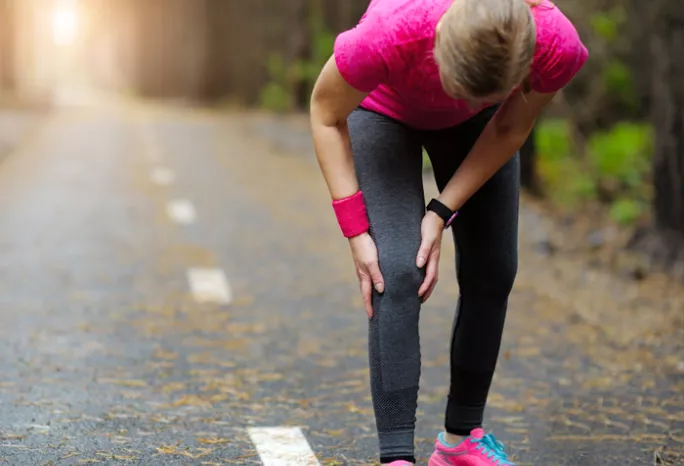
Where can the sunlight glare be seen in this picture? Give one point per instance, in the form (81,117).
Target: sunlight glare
(64,26)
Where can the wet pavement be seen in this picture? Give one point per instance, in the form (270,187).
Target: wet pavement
(110,358)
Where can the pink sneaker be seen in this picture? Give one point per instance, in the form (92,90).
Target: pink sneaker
(479,449)
(400,463)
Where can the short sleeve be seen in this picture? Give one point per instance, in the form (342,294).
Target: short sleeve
(560,54)
(360,55)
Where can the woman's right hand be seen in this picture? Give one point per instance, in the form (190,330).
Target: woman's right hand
(332,100)
(367,268)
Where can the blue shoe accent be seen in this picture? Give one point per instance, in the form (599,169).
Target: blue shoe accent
(442,440)
(493,449)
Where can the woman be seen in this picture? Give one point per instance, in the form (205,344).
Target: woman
(465,79)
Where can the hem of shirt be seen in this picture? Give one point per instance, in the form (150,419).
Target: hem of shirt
(410,123)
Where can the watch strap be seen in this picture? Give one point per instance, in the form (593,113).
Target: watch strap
(442,211)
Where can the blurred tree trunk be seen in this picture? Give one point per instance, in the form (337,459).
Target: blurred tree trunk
(528,165)
(218,76)
(7,44)
(301,38)
(340,16)
(667,48)
(173,47)
(215,49)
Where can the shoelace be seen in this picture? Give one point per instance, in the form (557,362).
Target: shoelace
(493,449)
(496,445)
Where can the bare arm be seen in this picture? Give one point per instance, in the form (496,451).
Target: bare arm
(501,138)
(332,101)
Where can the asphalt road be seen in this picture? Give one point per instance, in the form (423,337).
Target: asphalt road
(170,282)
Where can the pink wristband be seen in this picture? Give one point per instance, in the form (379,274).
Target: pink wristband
(351,214)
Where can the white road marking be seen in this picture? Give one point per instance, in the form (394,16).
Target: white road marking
(162,176)
(181,211)
(282,446)
(209,285)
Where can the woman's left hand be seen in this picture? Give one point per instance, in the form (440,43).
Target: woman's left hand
(431,230)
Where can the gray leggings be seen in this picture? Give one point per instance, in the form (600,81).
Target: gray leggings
(388,160)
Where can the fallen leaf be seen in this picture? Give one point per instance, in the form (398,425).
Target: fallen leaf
(192,400)
(167,450)
(125,383)
(173,387)
(212,441)
(161,354)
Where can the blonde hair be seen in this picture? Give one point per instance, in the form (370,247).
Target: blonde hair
(485,47)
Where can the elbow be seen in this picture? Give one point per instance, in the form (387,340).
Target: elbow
(318,110)
(314,106)
(321,116)
(515,134)
(328,111)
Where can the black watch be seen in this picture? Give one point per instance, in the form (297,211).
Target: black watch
(443,211)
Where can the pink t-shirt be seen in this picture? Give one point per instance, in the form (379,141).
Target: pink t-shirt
(389,54)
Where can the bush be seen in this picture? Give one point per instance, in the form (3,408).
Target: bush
(278,94)
(621,156)
(616,169)
(560,171)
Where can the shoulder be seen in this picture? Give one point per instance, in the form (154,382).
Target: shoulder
(365,53)
(361,53)
(560,52)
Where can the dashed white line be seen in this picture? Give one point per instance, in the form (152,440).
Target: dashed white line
(282,446)
(181,211)
(162,176)
(209,285)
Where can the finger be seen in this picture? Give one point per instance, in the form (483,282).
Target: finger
(428,293)
(434,262)
(430,274)
(366,294)
(433,268)
(424,252)
(376,277)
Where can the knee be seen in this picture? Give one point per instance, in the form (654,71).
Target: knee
(401,274)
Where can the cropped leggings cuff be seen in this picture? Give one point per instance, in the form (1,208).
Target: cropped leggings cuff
(396,445)
(467,400)
(461,420)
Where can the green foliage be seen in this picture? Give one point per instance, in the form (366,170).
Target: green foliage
(621,156)
(276,98)
(616,167)
(322,39)
(278,94)
(321,50)
(553,140)
(427,164)
(619,83)
(626,211)
(604,26)
(610,48)
(558,169)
